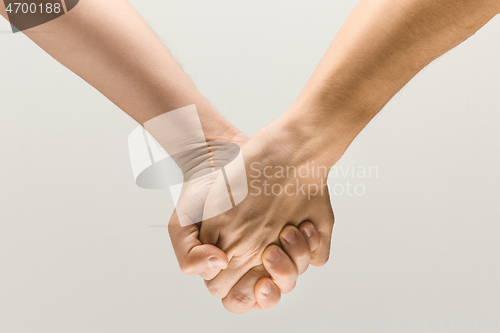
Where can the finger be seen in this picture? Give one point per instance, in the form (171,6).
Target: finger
(321,254)
(281,268)
(193,256)
(221,285)
(210,274)
(311,235)
(296,247)
(208,233)
(243,295)
(267,294)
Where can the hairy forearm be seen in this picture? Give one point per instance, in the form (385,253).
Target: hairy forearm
(109,45)
(382,45)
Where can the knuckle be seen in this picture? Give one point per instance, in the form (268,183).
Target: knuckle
(288,274)
(303,269)
(322,260)
(207,276)
(214,290)
(314,242)
(304,256)
(289,288)
(239,302)
(187,269)
(303,263)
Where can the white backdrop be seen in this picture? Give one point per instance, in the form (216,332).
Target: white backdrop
(419,248)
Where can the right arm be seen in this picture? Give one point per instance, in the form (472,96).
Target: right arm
(382,45)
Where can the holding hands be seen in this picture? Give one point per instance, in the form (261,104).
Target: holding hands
(251,254)
(250,251)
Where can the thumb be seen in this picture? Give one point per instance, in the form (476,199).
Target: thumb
(193,256)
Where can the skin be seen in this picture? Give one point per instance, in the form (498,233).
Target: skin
(121,57)
(379,49)
(245,231)
(381,46)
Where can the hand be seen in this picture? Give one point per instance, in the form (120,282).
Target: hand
(260,287)
(278,196)
(207,260)
(193,256)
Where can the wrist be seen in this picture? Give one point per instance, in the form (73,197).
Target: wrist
(324,134)
(304,140)
(333,109)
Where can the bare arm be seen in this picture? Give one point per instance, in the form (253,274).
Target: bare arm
(381,46)
(109,45)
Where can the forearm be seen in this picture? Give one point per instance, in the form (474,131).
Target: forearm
(109,45)
(382,45)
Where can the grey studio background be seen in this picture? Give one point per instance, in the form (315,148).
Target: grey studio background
(418,251)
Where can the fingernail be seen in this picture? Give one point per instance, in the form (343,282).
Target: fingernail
(215,263)
(273,255)
(290,236)
(308,230)
(266,287)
